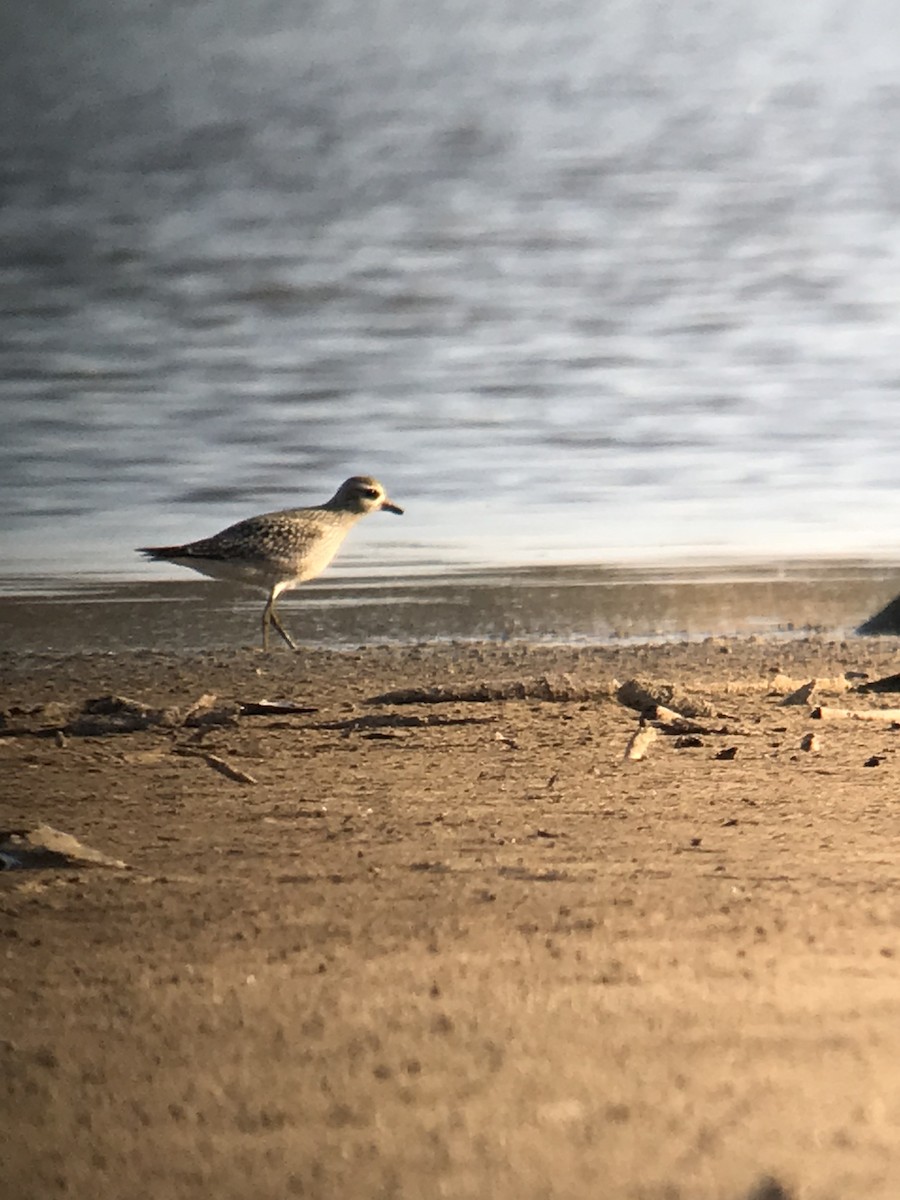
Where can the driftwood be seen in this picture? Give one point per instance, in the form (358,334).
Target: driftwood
(826,713)
(559,689)
(274,708)
(399,721)
(218,764)
(208,711)
(642,694)
(668,721)
(106,715)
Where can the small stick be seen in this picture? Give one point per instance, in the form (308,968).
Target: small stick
(825,713)
(218,764)
(225,768)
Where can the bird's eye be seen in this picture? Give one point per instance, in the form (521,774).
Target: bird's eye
(370,493)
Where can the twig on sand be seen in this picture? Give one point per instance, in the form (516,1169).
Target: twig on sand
(218,764)
(826,713)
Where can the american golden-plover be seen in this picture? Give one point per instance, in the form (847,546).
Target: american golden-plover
(278,550)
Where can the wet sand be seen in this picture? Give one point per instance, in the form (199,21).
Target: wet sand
(455,949)
(568,603)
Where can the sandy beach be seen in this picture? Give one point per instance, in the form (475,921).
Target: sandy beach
(420,943)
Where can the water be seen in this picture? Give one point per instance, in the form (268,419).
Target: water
(596,281)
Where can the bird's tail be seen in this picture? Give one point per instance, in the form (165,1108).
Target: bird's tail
(160,552)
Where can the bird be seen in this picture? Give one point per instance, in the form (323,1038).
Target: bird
(278,550)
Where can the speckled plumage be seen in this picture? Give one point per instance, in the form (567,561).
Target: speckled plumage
(278,550)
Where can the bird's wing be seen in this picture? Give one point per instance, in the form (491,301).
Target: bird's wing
(278,536)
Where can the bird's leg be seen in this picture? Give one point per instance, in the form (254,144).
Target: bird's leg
(281,629)
(265,627)
(270,616)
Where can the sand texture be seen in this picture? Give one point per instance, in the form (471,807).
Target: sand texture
(408,923)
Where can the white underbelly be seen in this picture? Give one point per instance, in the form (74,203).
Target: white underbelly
(258,575)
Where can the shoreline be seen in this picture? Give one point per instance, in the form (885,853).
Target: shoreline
(592,604)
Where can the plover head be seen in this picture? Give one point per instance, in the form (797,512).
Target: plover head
(362,494)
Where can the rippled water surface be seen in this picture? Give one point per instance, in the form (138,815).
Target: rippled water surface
(593,281)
